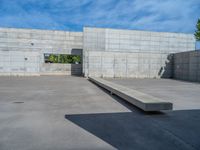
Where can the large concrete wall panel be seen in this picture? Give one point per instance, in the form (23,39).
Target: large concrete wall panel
(19,63)
(130,65)
(153,51)
(106,52)
(42,41)
(120,65)
(107,65)
(186,66)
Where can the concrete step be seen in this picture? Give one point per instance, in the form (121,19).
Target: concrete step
(141,100)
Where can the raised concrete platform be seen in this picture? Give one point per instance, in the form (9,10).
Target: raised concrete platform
(143,101)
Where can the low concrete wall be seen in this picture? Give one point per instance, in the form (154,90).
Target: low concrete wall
(187,66)
(129,65)
(61,69)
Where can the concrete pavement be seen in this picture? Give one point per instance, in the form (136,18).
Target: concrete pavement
(183,95)
(72,113)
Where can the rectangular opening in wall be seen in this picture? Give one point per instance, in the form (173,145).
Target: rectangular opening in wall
(62,58)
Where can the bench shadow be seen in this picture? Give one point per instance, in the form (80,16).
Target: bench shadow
(125,103)
(167,130)
(130,130)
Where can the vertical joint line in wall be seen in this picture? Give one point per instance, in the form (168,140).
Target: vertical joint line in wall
(197,70)
(40,58)
(138,64)
(161,66)
(114,66)
(101,66)
(9,62)
(24,64)
(126,67)
(149,65)
(87,63)
(173,66)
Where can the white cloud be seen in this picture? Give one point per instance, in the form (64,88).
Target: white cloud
(157,15)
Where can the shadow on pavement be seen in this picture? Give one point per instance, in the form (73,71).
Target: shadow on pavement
(139,130)
(132,130)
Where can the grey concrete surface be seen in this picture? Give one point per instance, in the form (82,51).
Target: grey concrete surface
(187,66)
(141,100)
(60,113)
(22,50)
(61,69)
(183,95)
(23,63)
(131,53)
(106,52)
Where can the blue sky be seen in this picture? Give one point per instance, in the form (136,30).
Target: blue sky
(154,15)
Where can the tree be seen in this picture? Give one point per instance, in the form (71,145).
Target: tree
(197,32)
(76,59)
(53,58)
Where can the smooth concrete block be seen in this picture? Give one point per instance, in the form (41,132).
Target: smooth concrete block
(137,38)
(132,74)
(108,74)
(94,54)
(141,100)
(95,74)
(132,61)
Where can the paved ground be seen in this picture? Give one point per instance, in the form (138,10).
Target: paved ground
(183,95)
(59,113)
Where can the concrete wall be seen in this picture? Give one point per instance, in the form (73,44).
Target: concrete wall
(130,65)
(129,53)
(40,41)
(19,63)
(61,69)
(106,52)
(187,66)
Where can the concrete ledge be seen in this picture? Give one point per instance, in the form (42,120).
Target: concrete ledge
(18,74)
(141,100)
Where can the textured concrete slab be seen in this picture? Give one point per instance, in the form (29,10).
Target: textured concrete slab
(186,66)
(141,100)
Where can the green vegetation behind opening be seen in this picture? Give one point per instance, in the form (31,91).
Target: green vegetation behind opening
(63,58)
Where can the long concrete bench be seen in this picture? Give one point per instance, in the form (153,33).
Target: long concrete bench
(141,100)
